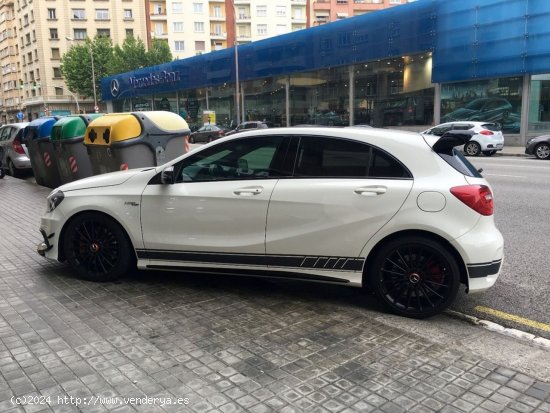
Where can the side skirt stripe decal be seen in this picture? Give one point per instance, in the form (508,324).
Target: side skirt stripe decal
(290,261)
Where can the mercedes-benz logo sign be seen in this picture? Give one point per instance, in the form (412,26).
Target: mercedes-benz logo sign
(115,87)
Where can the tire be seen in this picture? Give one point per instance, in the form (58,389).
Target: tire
(12,170)
(191,139)
(489,153)
(414,277)
(472,149)
(2,173)
(542,150)
(210,139)
(97,247)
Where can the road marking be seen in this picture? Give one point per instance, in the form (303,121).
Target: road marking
(509,176)
(515,318)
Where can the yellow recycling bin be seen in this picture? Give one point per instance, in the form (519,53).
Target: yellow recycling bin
(120,141)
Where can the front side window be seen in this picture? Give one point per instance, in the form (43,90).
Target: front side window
(247,158)
(334,158)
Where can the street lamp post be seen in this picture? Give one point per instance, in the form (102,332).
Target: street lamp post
(237,86)
(75,99)
(93,71)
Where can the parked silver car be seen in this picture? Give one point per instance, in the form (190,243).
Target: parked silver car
(14,157)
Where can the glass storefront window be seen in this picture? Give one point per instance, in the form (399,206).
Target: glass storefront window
(394,92)
(320,97)
(491,100)
(264,100)
(221,100)
(124,105)
(166,101)
(192,103)
(539,105)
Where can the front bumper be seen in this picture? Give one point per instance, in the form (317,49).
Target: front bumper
(45,245)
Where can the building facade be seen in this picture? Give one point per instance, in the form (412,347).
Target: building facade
(408,66)
(201,26)
(326,11)
(38,33)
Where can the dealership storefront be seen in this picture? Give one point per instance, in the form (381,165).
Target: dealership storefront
(411,66)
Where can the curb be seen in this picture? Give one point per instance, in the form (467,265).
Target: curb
(497,328)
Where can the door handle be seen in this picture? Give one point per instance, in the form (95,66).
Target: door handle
(249,191)
(371,190)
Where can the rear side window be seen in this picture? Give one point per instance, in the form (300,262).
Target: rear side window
(335,157)
(459,162)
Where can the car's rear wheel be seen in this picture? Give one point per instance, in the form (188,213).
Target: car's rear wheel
(489,153)
(12,170)
(414,277)
(542,150)
(210,139)
(472,149)
(191,139)
(97,247)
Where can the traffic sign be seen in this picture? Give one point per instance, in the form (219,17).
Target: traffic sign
(96,108)
(20,115)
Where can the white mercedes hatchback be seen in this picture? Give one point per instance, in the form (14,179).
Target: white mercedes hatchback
(405,215)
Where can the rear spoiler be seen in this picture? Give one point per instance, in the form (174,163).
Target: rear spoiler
(450,139)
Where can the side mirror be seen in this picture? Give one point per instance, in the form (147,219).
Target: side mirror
(167,176)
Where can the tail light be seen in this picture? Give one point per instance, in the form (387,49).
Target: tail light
(17,146)
(486,132)
(477,197)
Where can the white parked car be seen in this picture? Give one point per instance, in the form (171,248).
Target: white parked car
(487,137)
(406,215)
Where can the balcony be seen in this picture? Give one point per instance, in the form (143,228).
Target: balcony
(218,36)
(158,16)
(243,18)
(299,1)
(298,19)
(217,18)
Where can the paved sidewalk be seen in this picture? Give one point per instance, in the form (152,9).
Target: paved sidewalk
(223,344)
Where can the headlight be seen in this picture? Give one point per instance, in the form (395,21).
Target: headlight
(54,199)
(530,140)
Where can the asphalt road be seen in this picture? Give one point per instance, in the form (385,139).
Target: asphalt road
(521,189)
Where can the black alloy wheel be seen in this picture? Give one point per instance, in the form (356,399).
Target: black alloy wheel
(97,247)
(414,277)
(542,150)
(472,149)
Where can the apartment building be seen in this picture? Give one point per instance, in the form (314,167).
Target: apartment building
(200,26)
(326,11)
(34,35)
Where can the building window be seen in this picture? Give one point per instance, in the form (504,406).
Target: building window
(80,34)
(157,9)
(281,11)
(102,14)
(200,45)
(78,14)
(129,32)
(128,14)
(104,32)
(26,19)
(218,46)
(281,29)
(58,91)
(199,27)
(198,8)
(344,1)
(217,11)
(179,45)
(217,29)
(159,29)
(57,72)
(394,2)
(177,7)
(54,34)
(262,29)
(51,14)
(55,53)
(178,27)
(261,11)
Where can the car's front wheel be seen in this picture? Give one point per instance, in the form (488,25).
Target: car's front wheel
(542,150)
(472,149)
(414,277)
(97,247)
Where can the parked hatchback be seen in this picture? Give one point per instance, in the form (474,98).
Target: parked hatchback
(13,152)
(487,137)
(244,126)
(406,215)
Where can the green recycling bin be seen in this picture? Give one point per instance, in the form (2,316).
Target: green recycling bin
(37,137)
(72,158)
(120,141)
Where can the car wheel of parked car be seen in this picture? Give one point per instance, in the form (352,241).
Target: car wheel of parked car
(414,277)
(542,151)
(191,139)
(210,139)
(472,149)
(2,173)
(97,247)
(489,153)
(12,170)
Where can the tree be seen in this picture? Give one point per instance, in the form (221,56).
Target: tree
(76,65)
(159,53)
(132,55)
